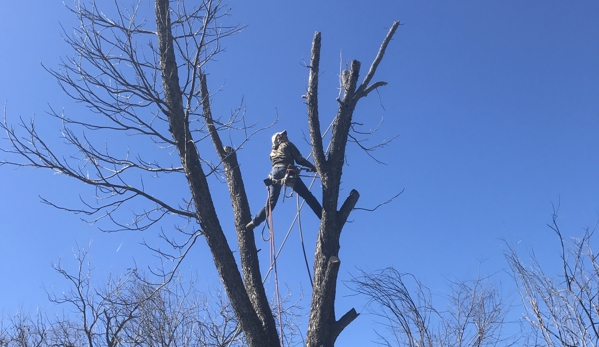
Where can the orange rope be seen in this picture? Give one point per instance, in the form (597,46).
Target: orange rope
(273,263)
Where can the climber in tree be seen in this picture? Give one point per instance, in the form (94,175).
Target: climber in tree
(283,156)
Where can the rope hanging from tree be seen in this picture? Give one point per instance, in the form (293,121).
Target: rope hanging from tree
(296,218)
(273,264)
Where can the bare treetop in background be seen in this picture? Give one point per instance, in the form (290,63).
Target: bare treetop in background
(126,311)
(475,314)
(562,309)
(147,82)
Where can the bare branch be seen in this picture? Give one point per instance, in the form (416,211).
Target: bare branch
(381,204)
(364,88)
(475,315)
(561,311)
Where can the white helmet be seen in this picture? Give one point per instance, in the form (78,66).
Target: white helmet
(275,137)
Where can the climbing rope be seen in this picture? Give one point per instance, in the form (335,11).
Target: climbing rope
(273,264)
(295,219)
(299,224)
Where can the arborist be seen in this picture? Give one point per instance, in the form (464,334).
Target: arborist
(283,156)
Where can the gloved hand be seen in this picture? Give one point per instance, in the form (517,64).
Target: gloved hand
(311,169)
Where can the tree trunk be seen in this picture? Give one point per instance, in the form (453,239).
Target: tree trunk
(323,327)
(198,185)
(250,264)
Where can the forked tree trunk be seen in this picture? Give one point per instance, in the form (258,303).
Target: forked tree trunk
(247,295)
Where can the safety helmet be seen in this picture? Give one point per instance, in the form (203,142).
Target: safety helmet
(275,137)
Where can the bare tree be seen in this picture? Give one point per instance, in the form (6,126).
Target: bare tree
(562,310)
(24,331)
(150,81)
(474,316)
(126,312)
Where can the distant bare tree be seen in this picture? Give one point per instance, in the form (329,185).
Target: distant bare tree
(474,316)
(126,312)
(562,309)
(147,80)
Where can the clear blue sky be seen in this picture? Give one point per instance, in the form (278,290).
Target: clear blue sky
(495,105)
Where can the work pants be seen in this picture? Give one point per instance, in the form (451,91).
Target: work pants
(275,190)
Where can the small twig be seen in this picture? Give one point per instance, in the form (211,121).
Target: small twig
(381,204)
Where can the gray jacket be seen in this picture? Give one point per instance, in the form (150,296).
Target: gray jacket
(285,154)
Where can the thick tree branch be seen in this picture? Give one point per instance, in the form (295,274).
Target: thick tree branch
(343,322)
(378,59)
(342,124)
(312,101)
(250,264)
(367,91)
(348,206)
(200,191)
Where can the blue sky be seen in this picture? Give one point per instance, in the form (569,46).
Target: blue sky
(495,106)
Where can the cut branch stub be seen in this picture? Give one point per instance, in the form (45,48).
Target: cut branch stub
(344,321)
(347,207)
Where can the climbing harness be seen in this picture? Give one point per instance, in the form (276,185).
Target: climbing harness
(291,175)
(289,180)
